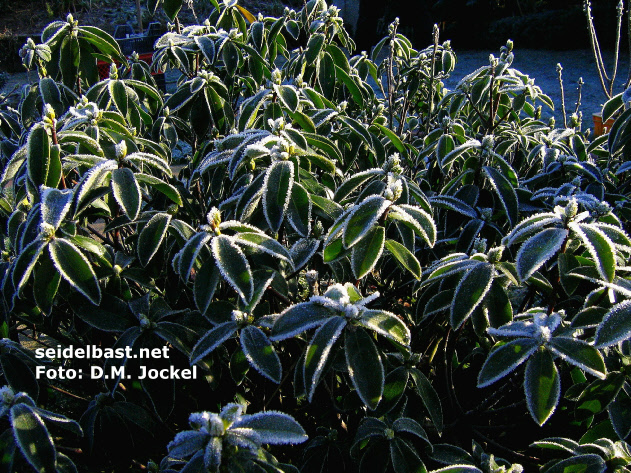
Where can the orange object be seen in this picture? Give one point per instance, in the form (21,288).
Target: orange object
(601,128)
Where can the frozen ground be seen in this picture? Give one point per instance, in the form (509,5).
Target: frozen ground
(540,64)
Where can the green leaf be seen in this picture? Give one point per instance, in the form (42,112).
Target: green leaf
(32,436)
(260,353)
(51,95)
(615,326)
(538,249)
(362,218)
(365,255)
(75,268)
(151,237)
(231,56)
(206,282)
(326,75)
(600,247)
(417,219)
(542,386)
(172,8)
(352,87)
(505,192)
(263,243)
(394,139)
(314,46)
(161,186)
(7,447)
(38,155)
(364,366)
(288,96)
(300,318)
(299,210)
(505,359)
(387,325)
(318,352)
(45,285)
(126,192)
(353,182)
(579,353)
(596,397)
(620,414)
(429,396)
(234,266)
(211,340)
(405,257)
(470,292)
(118,92)
(275,428)
(55,205)
(278,184)
(611,107)
(589,463)
(405,458)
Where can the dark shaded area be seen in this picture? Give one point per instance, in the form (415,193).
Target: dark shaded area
(472,24)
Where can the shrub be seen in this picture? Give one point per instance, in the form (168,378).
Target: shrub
(351,252)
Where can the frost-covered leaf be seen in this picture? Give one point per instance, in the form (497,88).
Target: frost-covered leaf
(470,292)
(410,426)
(187,256)
(579,353)
(364,366)
(206,282)
(353,182)
(299,210)
(429,397)
(303,250)
(75,268)
(539,249)
(365,255)
(151,237)
(542,386)
(363,217)
(300,318)
(33,439)
(126,191)
(260,353)
(234,266)
(273,427)
(505,359)
(387,325)
(288,96)
(404,257)
(600,247)
(38,155)
(505,192)
(187,443)
(55,205)
(615,326)
(318,352)
(85,191)
(263,243)
(405,459)
(278,184)
(416,219)
(212,339)
(589,463)
(453,203)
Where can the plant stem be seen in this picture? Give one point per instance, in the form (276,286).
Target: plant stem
(560,77)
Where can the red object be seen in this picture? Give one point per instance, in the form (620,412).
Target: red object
(104,67)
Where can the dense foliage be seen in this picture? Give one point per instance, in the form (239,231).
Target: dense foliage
(396,276)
